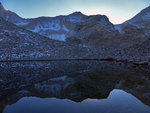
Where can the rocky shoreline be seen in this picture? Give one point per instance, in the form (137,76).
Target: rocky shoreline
(135,63)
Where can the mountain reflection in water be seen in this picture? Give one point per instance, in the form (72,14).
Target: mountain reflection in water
(90,82)
(117,102)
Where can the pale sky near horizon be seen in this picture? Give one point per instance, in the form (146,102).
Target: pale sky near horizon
(117,11)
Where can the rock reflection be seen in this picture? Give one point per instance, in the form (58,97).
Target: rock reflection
(74,80)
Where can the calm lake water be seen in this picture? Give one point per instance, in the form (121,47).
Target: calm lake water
(74,87)
(117,102)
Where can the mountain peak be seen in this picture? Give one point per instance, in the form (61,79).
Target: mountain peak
(77,13)
(142,17)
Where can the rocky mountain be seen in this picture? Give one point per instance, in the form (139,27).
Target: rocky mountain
(11,16)
(17,43)
(141,19)
(139,22)
(74,36)
(74,33)
(61,27)
(137,29)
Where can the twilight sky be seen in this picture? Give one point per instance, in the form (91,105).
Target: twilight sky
(118,11)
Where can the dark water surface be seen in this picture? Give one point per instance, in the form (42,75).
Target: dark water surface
(74,87)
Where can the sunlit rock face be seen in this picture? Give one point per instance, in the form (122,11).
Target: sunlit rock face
(76,80)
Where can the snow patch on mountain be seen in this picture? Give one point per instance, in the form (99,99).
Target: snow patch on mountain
(65,29)
(22,23)
(60,37)
(52,26)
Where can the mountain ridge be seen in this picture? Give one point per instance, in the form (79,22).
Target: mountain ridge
(95,35)
(62,26)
